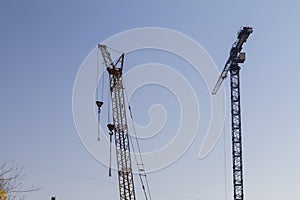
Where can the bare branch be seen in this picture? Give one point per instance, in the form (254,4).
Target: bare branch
(11,182)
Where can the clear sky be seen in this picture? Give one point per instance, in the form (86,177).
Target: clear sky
(43,43)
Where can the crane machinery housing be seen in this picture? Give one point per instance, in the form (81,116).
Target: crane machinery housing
(232,65)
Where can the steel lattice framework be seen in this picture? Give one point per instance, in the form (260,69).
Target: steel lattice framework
(236,133)
(235,57)
(125,175)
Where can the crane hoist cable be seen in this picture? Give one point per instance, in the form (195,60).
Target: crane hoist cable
(225,163)
(139,162)
(115,50)
(99,103)
(111,128)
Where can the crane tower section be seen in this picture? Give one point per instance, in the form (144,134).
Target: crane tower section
(119,127)
(232,66)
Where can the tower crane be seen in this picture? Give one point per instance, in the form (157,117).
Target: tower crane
(232,65)
(119,127)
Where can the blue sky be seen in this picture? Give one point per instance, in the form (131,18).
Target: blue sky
(43,44)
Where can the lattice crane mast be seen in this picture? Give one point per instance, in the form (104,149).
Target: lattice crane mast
(119,127)
(232,65)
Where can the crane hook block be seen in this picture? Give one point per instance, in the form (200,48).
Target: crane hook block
(99,103)
(110,127)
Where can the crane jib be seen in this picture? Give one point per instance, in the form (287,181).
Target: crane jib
(234,56)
